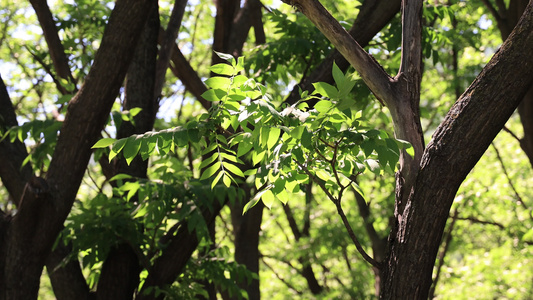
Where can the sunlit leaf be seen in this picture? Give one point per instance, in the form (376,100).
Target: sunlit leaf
(103,143)
(210,171)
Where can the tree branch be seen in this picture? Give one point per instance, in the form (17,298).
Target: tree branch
(379,82)
(168,41)
(496,14)
(13,175)
(372,17)
(356,242)
(55,47)
(518,198)
(442,254)
(182,69)
(478,221)
(177,253)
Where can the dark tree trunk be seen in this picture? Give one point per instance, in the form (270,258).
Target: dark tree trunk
(45,204)
(121,269)
(461,139)
(246,229)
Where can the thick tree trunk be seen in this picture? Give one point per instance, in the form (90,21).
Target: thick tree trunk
(44,205)
(120,271)
(457,145)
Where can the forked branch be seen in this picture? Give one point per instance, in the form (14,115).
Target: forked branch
(379,82)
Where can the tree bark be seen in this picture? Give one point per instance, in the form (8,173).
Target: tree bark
(458,143)
(246,230)
(45,204)
(121,269)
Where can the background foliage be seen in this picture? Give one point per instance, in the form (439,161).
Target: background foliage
(302,160)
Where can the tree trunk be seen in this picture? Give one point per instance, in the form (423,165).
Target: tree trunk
(45,204)
(246,229)
(458,143)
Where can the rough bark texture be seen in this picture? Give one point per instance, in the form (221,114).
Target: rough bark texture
(181,68)
(46,203)
(506,19)
(457,145)
(168,42)
(121,269)
(67,281)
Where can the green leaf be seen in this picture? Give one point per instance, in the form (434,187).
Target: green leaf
(135,111)
(244,147)
(216,180)
(338,75)
(273,137)
(214,95)
(297,132)
(103,143)
(225,56)
(64,99)
(322,174)
(252,203)
(307,138)
(257,157)
(222,69)
(323,106)
(120,177)
(268,198)
(233,169)
(218,82)
(132,148)
(264,135)
(117,147)
(326,90)
(283,196)
(226,180)
(208,161)
(210,171)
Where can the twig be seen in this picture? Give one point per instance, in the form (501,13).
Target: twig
(442,254)
(519,199)
(290,286)
(474,220)
(512,134)
(354,238)
(337,203)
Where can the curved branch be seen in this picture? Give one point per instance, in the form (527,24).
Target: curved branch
(379,82)
(458,143)
(518,197)
(372,17)
(55,47)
